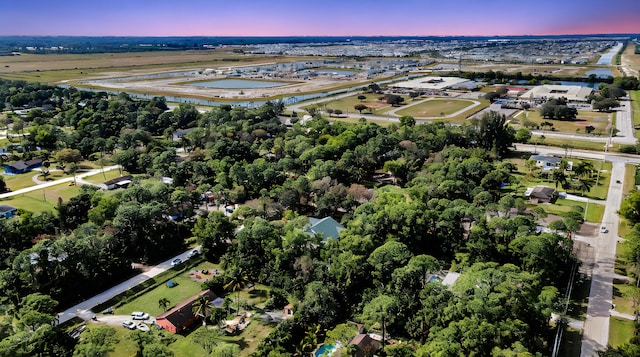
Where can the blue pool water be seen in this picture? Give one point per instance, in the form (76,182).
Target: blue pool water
(325,349)
(237,84)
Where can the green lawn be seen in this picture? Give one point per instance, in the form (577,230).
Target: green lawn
(43,200)
(584,118)
(620,331)
(562,207)
(435,108)
(624,227)
(185,345)
(622,301)
(247,340)
(347,104)
(148,302)
(635,107)
(104,176)
(572,143)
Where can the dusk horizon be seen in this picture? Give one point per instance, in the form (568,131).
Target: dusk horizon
(285,18)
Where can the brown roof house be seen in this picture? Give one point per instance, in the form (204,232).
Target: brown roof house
(182,316)
(365,345)
(540,194)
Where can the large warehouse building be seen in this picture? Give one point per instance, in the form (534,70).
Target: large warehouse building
(551,91)
(435,84)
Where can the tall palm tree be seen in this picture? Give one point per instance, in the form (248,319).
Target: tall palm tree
(237,279)
(584,185)
(163,303)
(559,177)
(202,308)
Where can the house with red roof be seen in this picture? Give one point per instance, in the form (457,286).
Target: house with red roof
(181,316)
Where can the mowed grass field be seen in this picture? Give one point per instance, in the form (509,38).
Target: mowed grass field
(185,344)
(435,108)
(584,118)
(53,68)
(346,104)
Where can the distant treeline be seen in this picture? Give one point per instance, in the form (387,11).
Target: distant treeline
(502,77)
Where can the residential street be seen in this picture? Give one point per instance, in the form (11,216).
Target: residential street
(596,326)
(83,309)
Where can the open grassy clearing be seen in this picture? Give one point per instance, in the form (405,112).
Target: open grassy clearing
(104,176)
(634,95)
(572,143)
(356,120)
(187,287)
(584,118)
(346,104)
(620,331)
(621,299)
(435,108)
(562,207)
(43,200)
(185,345)
(36,67)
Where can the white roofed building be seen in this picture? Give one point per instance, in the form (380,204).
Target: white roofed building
(552,91)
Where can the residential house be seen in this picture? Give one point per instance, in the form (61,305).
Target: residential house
(450,278)
(327,227)
(20,166)
(122,181)
(547,163)
(365,345)
(182,316)
(7,211)
(540,194)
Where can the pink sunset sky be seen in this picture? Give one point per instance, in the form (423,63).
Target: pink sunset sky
(317,18)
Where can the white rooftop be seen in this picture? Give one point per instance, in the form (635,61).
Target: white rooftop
(550,91)
(451,278)
(430,82)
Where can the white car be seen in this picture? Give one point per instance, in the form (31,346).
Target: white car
(176,262)
(139,315)
(193,253)
(142,327)
(604,229)
(129,324)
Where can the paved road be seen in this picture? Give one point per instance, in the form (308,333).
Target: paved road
(596,326)
(57,182)
(595,336)
(83,309)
